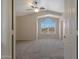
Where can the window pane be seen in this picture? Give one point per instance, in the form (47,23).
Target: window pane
(48,25)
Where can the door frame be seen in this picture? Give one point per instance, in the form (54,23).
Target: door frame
(14,28)
(6,29)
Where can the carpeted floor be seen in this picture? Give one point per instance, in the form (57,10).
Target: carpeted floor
(40,49)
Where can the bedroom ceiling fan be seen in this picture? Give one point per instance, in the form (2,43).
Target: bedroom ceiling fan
(34,6)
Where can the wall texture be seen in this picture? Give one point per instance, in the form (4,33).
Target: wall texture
(26,26)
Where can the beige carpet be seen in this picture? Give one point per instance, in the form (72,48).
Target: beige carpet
(40,49)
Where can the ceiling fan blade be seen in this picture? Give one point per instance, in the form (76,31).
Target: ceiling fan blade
(32,6)
(42,8)
(29,9)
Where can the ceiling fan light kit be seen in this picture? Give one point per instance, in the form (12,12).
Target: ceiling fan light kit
(35,7)
(36,10)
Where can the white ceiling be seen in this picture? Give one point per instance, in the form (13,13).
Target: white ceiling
(53,5)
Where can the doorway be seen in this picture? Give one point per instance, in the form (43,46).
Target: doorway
(29,37)
(41,21)
(70,28)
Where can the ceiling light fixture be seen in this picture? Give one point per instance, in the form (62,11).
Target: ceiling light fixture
(36,10)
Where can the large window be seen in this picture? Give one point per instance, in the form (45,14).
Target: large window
(48,25)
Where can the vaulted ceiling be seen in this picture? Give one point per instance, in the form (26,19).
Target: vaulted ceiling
(52,5)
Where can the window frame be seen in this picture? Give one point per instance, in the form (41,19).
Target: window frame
(51,16)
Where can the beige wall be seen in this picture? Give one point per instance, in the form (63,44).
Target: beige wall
(26,26)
